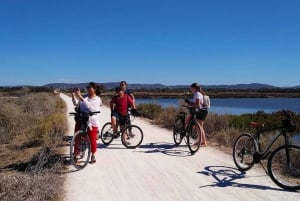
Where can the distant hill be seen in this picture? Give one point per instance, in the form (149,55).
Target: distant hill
(107,86)
(297,87)
(243,86)
(111,85)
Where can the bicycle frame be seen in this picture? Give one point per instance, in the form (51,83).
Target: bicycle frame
(193,119)
(263,154)
(126,125)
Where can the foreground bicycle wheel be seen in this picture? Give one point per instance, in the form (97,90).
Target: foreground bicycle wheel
(243,152)
(80,150)
(132,136)
(177,131)
(106,134)
(194,137)
(284,167)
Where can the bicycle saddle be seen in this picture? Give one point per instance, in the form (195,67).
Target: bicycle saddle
(256,124)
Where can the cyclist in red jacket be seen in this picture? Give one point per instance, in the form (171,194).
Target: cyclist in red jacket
(119,108)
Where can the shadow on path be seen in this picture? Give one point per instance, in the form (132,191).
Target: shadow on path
(165,148)
(228,176)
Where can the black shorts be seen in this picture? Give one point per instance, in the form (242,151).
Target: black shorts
(121,118)
(201,114)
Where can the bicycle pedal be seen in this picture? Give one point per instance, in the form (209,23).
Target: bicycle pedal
(116,135)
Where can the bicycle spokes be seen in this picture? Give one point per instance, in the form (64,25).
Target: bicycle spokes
(106,134)
(194,137)
(178,131)
(284,167)
(132,136)
(80,150)
(243,152)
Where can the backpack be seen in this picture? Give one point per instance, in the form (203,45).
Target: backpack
(206,102)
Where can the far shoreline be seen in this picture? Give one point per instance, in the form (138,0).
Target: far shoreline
(211,94)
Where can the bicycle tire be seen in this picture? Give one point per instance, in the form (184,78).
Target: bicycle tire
(106,134)
(284,167)
(194,137)
(178,128)
(84,148)
(243,152)
(134,136)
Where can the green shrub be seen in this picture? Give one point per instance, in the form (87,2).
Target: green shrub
(166,117)
(149,110)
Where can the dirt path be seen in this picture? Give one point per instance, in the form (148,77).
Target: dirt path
(159,171)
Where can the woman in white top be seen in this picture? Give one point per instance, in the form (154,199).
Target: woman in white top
(197,103)
(91,103)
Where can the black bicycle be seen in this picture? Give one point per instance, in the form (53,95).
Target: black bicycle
(192,131)
(80,147)
(284,162)
(131,135)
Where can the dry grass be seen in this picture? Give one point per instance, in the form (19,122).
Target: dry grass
(20,186)
(32,127)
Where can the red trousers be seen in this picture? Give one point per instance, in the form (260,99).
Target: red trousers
(93,138)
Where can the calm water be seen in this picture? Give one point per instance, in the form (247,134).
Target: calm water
(237,105)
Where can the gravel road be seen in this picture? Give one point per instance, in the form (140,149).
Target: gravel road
(160,171)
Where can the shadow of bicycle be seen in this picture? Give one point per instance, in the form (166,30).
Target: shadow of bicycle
(165,148)
(228,176)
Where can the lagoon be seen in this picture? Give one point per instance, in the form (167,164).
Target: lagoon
(236,106)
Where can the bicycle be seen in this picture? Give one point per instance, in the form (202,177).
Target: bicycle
(283,165)
(131,135)
(192,131)
(80,141)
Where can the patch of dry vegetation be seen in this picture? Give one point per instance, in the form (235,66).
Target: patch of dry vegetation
(32,126)
(221,130)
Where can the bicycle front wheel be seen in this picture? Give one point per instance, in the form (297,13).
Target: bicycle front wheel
(106,134)
(80,150)
(243,152)
(284,167)
(132,136)
(194,137)
(178,129)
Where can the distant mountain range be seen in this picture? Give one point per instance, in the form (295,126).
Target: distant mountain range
(111,85)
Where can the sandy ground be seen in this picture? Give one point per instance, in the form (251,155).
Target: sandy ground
(160,171)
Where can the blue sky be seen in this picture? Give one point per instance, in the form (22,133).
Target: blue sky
(150,41)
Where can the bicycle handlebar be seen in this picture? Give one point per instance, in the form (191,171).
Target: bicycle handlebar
(90,113)
(287,119)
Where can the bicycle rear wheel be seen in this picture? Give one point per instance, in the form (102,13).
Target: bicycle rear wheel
(284,167)
(194,137)
(106,134)
(243,152)
(132,136)
(80,150)
(178,129)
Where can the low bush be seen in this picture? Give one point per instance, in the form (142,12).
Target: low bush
(30,187)
(149,110)
(166,117)
(220,129)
